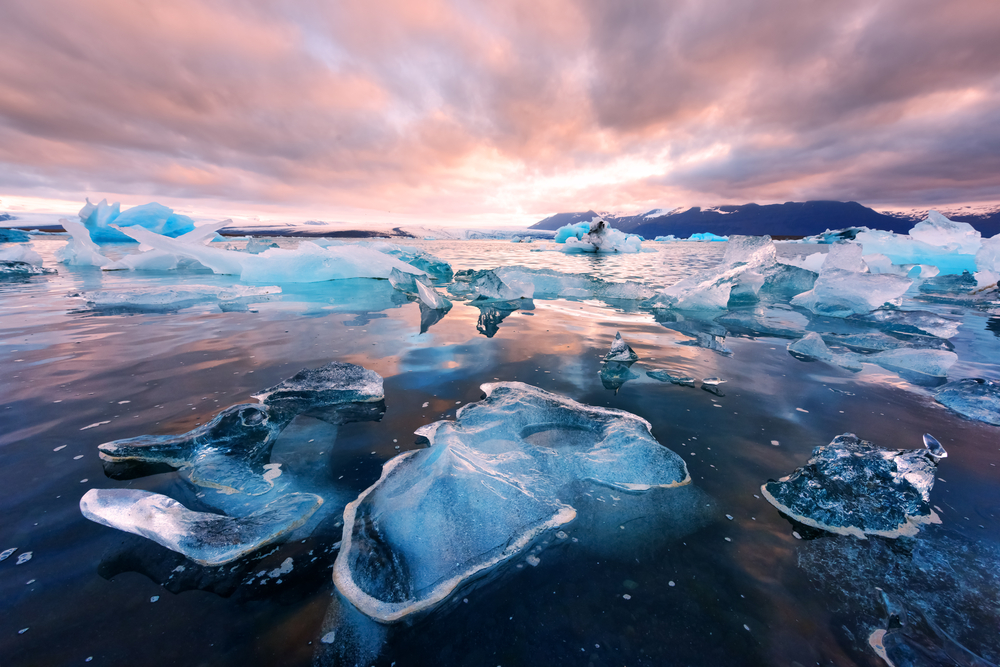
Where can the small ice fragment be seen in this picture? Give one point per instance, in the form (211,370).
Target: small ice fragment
(801,410)
(671,584)
(729,516)
(59,448)
(796,535)
(179,568)
(746,627)
(286,567)
(774,442)
(123,402)
(78,457)
(29,582)
(425,405)
(95,424)
(934,448)
(22,631)
(24,558)
(7,553)
(533,560)
(562,535)
(626,596)
(329,637)
(154,598)
(728,539)
(712,381)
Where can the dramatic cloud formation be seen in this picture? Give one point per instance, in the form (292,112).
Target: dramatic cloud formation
(465,111)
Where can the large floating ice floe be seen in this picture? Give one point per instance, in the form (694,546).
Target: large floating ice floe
(491,482)
(231,454)
(853,487)
(307,263)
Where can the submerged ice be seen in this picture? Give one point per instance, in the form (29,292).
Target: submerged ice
(491,481)
(853,487)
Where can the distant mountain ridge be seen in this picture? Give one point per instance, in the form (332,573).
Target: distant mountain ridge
(791,219)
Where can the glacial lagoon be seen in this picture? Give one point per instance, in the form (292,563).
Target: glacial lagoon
(650,569)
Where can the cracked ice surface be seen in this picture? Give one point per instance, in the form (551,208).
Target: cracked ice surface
(486,487)
(853,487)
(206,538)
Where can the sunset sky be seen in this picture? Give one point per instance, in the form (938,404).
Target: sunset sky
(496,112)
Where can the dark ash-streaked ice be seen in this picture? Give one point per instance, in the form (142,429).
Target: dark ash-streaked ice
(853,487)
(491,482)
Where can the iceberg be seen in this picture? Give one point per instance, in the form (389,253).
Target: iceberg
(490,483)
(853,487)
(974,398)
(596,236)
(845,287)
(513,282)
(314,391)
(620,350)
(749,266)
(707,236)
(206,538)
(102,221)
(307,263)
(988,262)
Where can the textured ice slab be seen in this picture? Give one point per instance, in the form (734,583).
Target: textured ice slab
(975,398)
(208,539)
(165,297)
(312,391)
(749,264)
(853,487)
(81,249)
(489,483)
(230,452)
(620,350)
(931,362)
(99,218)
(308,263)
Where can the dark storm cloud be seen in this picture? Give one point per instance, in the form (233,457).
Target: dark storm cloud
(448,107)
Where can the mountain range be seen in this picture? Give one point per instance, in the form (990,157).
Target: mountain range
(791,219)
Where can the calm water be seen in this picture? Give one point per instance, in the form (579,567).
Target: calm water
(702,589)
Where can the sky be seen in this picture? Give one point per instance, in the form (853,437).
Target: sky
(485,113)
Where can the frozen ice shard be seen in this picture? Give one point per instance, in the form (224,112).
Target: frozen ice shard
(620,350)
(208,539)
(80,250)
(488,485)
(975,398)
(845,287)
(853,487)
(419,286)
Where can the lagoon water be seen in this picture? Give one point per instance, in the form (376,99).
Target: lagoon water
(716,577)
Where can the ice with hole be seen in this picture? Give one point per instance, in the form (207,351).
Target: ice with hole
(492,481)
(845,287)
(102,219)
(308,263)
(749,266)
(854,487)
(232,454)
(975,398)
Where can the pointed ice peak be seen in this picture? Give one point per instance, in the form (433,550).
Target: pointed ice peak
(620,351)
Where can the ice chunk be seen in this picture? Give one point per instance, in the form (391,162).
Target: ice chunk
(934,363)
(938,230)
(208,539)
(813,262)
(492,313)
(488,485)
(853,487)
(307,263)
(430,297)
(7,553)
(988,262)
(421,287)
(620,350)
(577,231)
(911,322)
(80,250)
(840,293)
(160,260)
(975,398)
(256,246)
(673,377)
(12,235)
(949,245)
(21,253)
(846,256)
(103,220)
(311,392)
(489,285)
(436,268)
(707,236)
